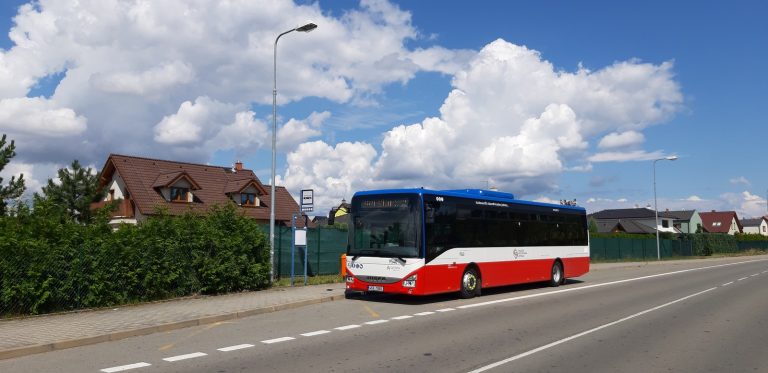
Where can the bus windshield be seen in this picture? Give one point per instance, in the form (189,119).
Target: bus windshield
(385,226)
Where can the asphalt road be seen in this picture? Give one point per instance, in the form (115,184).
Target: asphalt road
(686,317)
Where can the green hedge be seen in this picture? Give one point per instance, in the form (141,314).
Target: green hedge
(49,263)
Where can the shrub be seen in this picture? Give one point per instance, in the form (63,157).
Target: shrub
(49,262)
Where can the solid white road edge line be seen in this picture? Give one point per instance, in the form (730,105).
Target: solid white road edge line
(277,340)
(235,347)
(125,367)
(319,332)
(602,284)
(590,331)
(185,357)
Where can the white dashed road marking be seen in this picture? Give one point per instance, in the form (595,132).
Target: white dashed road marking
(446,310)
(374,322)
(727,283)
(319,332)
(347,327)
(756,274)
(424,313)
(402,317)
(742,279)
(277,340)
(185,357)
(125,367)
(235,348)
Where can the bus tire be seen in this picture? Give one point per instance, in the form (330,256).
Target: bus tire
(556,275)
(470,283)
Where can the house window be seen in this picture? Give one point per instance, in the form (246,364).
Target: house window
(111,196)
(763,229)
(179,194)
(665,223)
(247,199)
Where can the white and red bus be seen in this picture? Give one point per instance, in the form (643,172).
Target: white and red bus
(419,241)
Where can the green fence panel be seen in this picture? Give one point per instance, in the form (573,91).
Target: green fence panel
(752,245)
(332,243)
(624,248)
(324,245)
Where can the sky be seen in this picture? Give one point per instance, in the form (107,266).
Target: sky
(549,100)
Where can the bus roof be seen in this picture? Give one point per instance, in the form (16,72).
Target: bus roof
(481,194)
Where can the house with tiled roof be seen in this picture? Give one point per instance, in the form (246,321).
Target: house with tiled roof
(755,226)
(686,221)
(145,186)
(634,221)
(721,222)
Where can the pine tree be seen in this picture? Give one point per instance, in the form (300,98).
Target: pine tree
(15,187)
(73,194)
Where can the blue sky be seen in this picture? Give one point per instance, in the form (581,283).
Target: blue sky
(716,50)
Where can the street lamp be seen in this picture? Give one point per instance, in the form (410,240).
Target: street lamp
(309,26)
(655,205)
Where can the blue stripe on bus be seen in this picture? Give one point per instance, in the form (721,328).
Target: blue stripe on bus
(471,194)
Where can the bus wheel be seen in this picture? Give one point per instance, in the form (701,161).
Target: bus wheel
(557,274)
(470,283)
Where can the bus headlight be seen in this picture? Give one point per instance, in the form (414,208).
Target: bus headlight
(410,282)
(350,279)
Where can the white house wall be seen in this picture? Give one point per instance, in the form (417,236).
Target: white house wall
(118,185)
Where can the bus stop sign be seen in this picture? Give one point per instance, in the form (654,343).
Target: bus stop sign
(307,200)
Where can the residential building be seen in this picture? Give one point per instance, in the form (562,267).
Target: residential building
(755,226)
(686,221)
(635,221)
(721,222)
(144,186)
(339,214)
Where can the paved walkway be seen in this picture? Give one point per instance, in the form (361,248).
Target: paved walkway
(19,337)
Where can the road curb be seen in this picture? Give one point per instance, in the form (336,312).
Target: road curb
(115,336)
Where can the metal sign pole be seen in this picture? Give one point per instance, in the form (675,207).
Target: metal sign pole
(293,244)
(306,250)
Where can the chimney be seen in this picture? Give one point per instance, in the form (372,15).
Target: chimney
(238,166)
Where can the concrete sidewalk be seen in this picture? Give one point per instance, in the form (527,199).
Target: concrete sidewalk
(20,337)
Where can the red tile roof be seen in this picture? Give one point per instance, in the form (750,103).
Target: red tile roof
(144,176)
(709,221)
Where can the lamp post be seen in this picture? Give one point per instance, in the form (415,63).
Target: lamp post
(309,26)
(655,204)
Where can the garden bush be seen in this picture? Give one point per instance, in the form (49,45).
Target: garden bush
(49,262)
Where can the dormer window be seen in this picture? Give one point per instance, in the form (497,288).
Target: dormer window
(179,194)
(248,199)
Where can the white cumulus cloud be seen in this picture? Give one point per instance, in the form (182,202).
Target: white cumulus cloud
(513,118)
(138,70)
(741,180)
(619,140)
(38,116)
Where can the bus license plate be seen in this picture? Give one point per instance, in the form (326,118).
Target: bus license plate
(375,288)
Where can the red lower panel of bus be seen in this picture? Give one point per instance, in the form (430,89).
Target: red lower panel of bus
(434,279)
